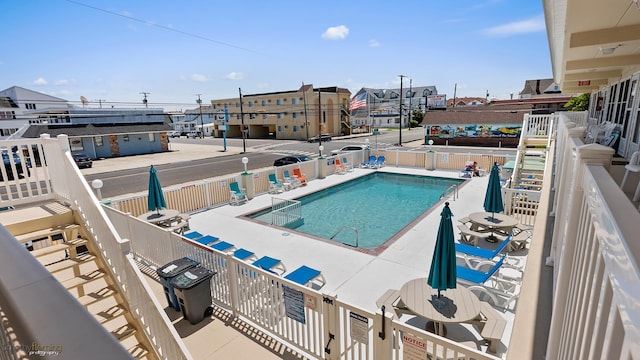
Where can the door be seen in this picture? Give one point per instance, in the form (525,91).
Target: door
(633,109)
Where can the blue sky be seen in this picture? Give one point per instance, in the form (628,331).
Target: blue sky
(173,50)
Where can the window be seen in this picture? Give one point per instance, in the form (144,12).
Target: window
(252,116)
(30,106)
(265,116)
(294,115)
(393,95)
(280,115)
(296,128)
(426,92)
(152,137)
(410,94)
(295,101)
(280,128)
(237,104)
(250,103)
(125,137)
(279,102)
(263,102)
(76,144)
(98,140)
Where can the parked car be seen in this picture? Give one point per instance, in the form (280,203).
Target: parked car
(322,137)
(82,160)
(292,159)
(193,134)
(348,148)
(16,161)
(173,134)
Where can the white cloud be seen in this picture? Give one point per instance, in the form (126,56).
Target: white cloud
(40,81)
(374,43)
(199,78)
(234,76)
(336,33)
(534,24)
(64,82)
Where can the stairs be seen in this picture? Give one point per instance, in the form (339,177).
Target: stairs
(68,257)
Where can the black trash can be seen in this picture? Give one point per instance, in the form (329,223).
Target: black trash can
(193,289)
(168,272)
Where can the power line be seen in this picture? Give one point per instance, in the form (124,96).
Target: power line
(162,27)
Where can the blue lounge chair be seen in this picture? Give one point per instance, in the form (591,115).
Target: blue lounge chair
(222,246)
(269,264)
(237,195)
(372,159)
(480,252)
(244,254)
(292,180)
(192,235)
(477,276)
(306,276)
(274,185)
(378,163)
(206,240)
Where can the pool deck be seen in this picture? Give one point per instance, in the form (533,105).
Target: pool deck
(356,277)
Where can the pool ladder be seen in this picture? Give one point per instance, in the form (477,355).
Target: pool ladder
(455,191)
(346,228)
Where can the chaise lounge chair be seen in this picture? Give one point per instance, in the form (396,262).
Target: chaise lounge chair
(270,264)
(378,163)
(244,254)
(192,235)
(300,176)
(275,186)
(480,252)
(501,291)
(307,276)
(291,179)
(340,168)
(237,195)
(222,246)
(372,159)
(206,240)
(347,164)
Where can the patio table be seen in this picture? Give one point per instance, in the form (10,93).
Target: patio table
(486,221)
(459,304)
(164,219)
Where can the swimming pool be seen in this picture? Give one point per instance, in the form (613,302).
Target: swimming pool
(378,205)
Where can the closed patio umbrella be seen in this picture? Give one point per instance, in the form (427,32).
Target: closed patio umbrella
(442,275)
(493,198)
(155,199)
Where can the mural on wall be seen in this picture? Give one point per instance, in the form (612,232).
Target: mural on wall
(448,131)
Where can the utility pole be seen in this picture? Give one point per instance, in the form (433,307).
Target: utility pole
(244,144)
(455,87)
(400,108)
(306,119)
(100,101)
(199,102)
(410,93)
(144,101)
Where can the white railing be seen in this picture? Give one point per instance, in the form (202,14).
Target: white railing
(261,297)
(595,256)
(285,212)
(114,250)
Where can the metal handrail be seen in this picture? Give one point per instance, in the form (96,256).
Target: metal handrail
(346,227)
(455,191)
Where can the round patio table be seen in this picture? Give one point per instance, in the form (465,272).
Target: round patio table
(486,220)
(454,306)
(155,218)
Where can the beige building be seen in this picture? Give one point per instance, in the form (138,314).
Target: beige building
(294,115)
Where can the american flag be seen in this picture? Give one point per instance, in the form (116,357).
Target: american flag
(358,102)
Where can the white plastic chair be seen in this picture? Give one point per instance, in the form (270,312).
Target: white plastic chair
(632,167)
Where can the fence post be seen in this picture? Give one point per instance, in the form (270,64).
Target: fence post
(382,336)
(232,264)
(331,327)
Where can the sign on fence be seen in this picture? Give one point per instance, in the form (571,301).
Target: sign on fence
(414,347)
(294,304)
(359,327)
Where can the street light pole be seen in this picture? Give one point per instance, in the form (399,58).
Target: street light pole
(319,122)
(400,108)
(199,102)
(244,144)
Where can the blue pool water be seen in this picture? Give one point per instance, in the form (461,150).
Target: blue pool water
(378,205)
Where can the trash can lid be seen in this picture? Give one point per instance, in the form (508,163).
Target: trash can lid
(176,267)
(191,277)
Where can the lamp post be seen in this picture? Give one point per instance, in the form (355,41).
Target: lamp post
(320,148)
(199,102)
(97,184)
(400,108)
(144,100)
(245,161)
